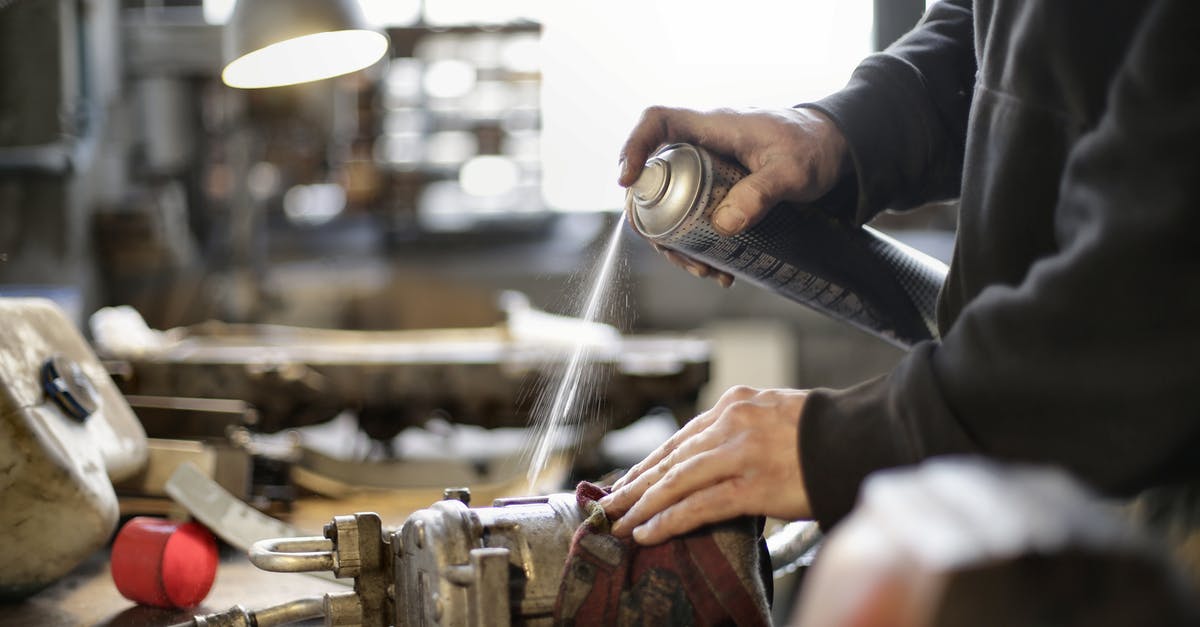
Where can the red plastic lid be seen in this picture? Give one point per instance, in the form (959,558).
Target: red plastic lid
(163,563)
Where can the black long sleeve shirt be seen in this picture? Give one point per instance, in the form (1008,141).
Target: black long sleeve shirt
(1070,132)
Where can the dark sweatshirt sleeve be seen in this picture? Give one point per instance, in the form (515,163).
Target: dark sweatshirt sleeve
(904,114)
(1092,362)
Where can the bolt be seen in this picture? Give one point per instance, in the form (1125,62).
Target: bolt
(462,495)
(68,386)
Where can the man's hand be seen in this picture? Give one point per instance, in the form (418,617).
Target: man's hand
(792,154)
(740,457)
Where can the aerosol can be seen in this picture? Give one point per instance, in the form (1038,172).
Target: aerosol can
(855,274)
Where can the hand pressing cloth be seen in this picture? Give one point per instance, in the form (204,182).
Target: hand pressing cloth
(716,575)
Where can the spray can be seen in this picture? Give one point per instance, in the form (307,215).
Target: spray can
(854,274)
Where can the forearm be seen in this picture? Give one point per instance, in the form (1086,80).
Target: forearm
(1087,359)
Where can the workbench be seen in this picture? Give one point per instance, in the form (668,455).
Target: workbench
(87,596)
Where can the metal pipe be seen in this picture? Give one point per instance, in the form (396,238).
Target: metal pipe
(793,546)
(293,555)
(300,609)
(282,614)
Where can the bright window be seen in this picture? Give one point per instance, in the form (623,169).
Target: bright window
(604,62)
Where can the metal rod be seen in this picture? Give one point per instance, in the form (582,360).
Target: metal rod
(282,614)
(300,609)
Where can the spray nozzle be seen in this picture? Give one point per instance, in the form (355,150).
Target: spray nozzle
(651,186)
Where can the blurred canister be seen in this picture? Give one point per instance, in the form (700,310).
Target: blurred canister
(852,273)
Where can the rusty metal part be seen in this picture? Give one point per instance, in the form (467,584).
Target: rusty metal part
(453,565)
(295,377)
(353,547)
(462,566)
(448,564)
(228,466)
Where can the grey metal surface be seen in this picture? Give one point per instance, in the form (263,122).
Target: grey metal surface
(447,561)
(232,520)
(854,274)
(458,566)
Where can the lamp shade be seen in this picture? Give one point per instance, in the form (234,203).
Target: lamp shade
(271,43)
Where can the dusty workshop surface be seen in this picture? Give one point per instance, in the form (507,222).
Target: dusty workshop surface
(88,596)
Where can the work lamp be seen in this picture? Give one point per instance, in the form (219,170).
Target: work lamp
(271,43)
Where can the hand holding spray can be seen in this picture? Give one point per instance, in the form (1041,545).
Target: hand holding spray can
(854,274)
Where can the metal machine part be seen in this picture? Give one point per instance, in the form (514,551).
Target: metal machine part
(855,274)
(65,434)
(395,379)
(448,564)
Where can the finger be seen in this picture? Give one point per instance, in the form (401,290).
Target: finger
(716,503)
(698,471)
(733,395)
(695,268)
(648,134)
(629,488)
(633,493)
(748,201)
(664,125)
(724,278)
(693,426)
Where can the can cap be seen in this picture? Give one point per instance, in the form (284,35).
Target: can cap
(667,190)
(164,563)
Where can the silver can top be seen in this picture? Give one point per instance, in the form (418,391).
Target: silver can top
(666,191)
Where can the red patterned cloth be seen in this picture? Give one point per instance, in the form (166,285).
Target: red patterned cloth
(712,576)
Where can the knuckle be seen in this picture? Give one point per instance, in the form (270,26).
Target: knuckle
(655,111)
(669,462)
(758,187)
(740,393)
(670,479)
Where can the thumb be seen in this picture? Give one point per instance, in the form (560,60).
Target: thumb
(746,203)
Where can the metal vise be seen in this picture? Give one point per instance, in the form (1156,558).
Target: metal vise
(448,565)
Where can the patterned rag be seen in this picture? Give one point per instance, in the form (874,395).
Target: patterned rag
(712,576)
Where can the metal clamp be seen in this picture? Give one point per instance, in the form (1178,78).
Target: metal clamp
(293,555)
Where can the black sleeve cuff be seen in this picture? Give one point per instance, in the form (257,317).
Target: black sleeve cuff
(894,420)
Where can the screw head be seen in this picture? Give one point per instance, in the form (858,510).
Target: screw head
(69,387)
